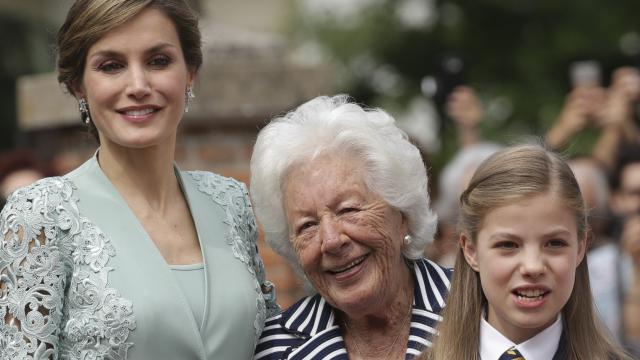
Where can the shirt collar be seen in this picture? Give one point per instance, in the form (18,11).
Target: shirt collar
(542,346)
(545,344)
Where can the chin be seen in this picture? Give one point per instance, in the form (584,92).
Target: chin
(535,322)
(141,141)
(355,303)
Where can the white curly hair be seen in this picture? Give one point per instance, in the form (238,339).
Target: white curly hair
(393,167)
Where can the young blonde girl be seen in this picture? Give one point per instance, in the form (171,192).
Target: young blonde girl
(521,273)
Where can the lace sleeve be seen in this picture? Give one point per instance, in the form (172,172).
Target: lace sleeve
(32,272)
(268,288)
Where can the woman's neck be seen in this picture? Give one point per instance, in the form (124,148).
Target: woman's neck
(141,175)
(382,334)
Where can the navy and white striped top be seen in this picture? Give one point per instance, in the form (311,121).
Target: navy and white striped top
(308,329)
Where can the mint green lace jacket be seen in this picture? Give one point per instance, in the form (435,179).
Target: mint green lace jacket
(81,279)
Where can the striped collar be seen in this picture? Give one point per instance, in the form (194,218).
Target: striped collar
(314,319)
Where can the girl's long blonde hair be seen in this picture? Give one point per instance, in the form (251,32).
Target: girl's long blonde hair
(509,175)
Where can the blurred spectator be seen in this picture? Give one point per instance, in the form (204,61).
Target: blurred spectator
(626,205)
(614,110)
(581,108)
(18,168)
(604,256)
(619,117)
(466,111)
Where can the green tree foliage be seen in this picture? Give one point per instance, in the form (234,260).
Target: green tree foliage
(518,51)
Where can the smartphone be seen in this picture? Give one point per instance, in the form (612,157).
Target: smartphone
(585,73)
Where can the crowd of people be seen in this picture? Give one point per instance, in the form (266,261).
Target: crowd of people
(609,178)
(525,255)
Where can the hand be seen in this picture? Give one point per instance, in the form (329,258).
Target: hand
(627,80)
(621,96)
(464,107)
(581,105)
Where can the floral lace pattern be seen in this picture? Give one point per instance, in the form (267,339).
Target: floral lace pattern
(47,248)
(242,235)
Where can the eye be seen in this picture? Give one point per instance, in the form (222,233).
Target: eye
(347,210)
(305,226)
(160,62)
(557,243)
(506,245)
(110,67)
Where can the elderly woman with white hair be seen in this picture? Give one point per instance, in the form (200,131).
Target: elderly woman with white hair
(342,194)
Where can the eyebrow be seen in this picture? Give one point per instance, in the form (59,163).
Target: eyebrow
(111,53)
(557,232)
(502,235)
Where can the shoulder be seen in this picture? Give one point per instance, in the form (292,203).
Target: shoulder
(275,339)
(432,284)
(42,201)
(429,269)
(44,213)
(212,183)
(294,327)
(229,194)
(46,186)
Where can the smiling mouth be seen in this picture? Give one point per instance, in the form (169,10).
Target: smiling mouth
(349,266)
(530,294)
(139,112)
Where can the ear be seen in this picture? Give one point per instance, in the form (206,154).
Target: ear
(470,251)
(191,76)
(582,247)
(404,224)
(78,92)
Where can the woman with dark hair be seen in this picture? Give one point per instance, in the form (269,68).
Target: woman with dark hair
(127,256)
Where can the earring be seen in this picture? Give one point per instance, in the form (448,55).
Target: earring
(187,98)
(84,110)
(407,240)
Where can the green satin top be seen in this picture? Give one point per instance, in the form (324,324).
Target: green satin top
(191,280)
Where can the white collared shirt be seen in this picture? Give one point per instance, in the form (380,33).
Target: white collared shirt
(543,346)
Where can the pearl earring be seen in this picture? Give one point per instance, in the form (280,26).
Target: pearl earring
(407,240)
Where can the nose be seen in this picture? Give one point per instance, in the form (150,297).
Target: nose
(532,264)
(138,85)
(332,238)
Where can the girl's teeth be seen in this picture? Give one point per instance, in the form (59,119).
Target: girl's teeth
(529,299)
(530,293)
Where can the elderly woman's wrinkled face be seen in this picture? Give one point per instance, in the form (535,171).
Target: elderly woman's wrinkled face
(347,239)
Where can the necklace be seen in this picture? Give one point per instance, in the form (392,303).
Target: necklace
(356,339)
